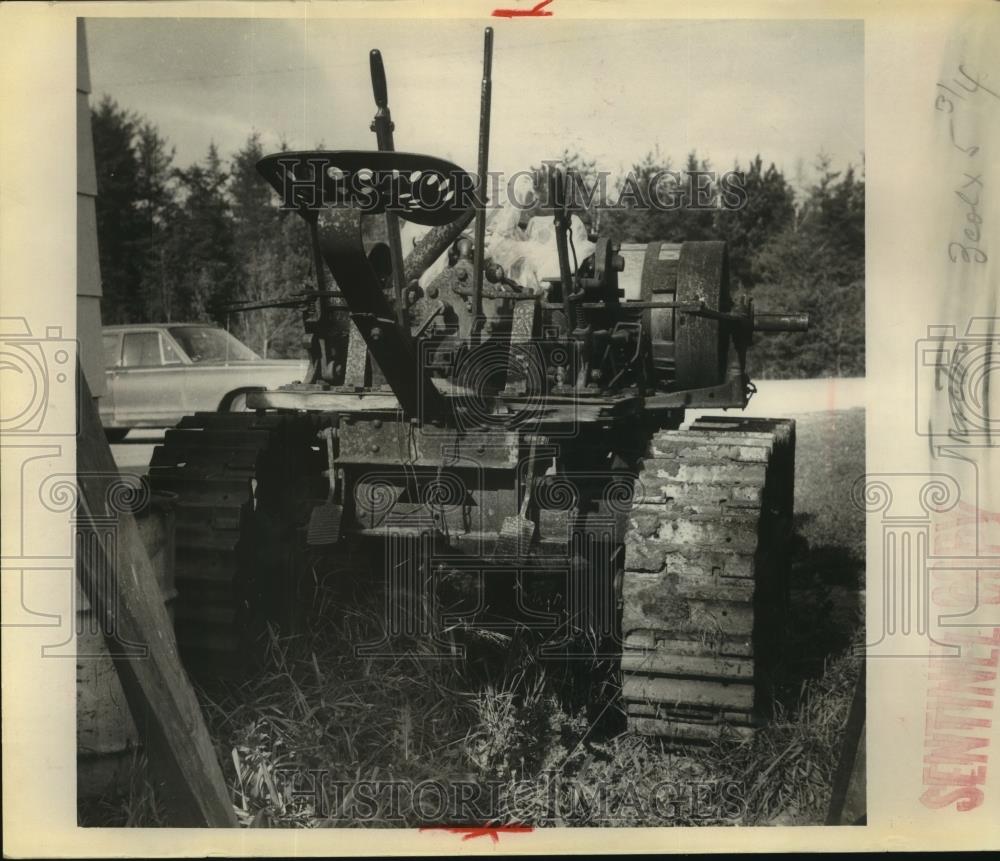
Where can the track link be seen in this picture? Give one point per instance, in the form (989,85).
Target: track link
(706,577)
(243,483)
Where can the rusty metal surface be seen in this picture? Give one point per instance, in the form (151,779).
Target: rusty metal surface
(432,245)
(659,281)
(705,580)
(387,441)
(701,345)
(390,345)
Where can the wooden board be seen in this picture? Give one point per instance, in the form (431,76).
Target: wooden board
(162,702)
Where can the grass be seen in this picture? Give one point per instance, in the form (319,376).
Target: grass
(546,764)
(138,806)
(502,720)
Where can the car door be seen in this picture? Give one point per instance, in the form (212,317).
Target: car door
(181,378)
(112,342)
(146,394)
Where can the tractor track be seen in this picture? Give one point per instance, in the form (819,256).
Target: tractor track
(705,581)
(243,483)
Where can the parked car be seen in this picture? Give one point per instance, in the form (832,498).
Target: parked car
(158,373)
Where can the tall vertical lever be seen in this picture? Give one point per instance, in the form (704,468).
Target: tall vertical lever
(383,127)
(483,166)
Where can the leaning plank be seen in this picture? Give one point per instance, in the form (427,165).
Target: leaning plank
(847,800)
(118,581)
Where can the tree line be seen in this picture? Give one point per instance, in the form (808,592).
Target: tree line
(179,244)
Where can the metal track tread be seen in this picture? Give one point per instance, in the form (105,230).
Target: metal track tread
(242,482)
(706,577)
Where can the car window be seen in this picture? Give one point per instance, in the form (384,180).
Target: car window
(208,344)
(142,349)
(112,351)
(170,355)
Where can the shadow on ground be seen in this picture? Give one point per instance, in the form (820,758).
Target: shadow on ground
(826,606)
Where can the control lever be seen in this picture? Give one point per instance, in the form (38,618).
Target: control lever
(383,127)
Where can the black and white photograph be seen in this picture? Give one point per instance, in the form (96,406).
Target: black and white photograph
(497,440)
(528,428)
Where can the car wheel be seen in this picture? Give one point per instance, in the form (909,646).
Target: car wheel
(236,401)
(115,434)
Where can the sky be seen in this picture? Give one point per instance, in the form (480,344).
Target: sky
(610,90)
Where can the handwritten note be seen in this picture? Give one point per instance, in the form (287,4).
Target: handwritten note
(964,92)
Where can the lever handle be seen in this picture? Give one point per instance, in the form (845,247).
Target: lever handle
(378,78)
(783,322)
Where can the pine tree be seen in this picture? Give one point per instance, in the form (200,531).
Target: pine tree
(768,208)
(199,252)
(119,224)
(155,197)
(273,256)
(817,265)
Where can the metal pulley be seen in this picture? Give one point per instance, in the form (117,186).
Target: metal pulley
(688,351)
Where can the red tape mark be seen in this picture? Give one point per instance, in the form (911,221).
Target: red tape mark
(491,831)
(536,11)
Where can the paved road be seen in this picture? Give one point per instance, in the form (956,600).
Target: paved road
(774,398)
(777,398)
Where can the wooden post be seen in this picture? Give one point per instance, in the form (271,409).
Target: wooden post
(119,582)
(847,800)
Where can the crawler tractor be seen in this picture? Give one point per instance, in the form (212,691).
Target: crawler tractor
(512,435)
